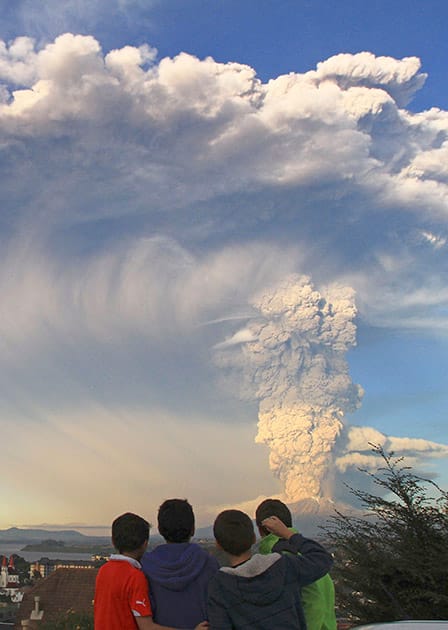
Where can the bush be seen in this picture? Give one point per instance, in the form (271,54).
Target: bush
(70,621)
(392,563)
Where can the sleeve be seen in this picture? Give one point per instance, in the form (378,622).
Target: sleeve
(313,561)
(213,565)
(218,616)
(139,596)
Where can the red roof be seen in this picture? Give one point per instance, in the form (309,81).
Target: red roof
(63,590)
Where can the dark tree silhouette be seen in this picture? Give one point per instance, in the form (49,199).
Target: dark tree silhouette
(392,563)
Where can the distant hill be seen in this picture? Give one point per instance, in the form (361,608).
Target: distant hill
(308,516)
(17,535)
(204,533)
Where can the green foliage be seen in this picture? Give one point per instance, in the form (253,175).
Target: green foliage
(23,568)
(392,563)
(70,621)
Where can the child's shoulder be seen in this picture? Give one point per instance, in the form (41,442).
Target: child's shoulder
(119,567)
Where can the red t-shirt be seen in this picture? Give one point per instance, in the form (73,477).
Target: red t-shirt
(121,594)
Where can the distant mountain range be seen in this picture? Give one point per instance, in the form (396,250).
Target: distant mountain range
(308,517)
(17,535)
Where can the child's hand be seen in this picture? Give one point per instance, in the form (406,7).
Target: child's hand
(204,625)
(274,525)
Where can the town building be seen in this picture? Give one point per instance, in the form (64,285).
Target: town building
(65,591)
(44,567)
(9,580)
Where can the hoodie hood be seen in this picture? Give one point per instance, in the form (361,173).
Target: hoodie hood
(174,565)
(260,581)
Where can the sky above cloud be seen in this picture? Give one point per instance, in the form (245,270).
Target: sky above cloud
(199,236)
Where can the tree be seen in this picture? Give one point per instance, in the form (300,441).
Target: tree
(392,563)
(22,568)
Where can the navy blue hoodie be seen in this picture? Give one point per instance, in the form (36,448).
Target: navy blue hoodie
(178,575)
(263,592)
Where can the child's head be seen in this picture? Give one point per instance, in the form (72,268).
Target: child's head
(234,532)
(130,533)
(272,507)
(176,520)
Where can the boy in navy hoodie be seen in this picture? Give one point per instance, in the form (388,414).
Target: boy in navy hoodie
(257,591)
(178,571)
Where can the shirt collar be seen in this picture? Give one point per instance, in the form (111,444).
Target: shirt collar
(118,556)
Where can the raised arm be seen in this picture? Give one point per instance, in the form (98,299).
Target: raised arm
(277,527)
(312,563)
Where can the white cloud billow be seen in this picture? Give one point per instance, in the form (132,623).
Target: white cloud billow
(18,61)
(358,451)
(401,78)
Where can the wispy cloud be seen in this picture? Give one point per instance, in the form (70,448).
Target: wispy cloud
(45,19)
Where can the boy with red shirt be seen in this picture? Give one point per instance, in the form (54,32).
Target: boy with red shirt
(121,592)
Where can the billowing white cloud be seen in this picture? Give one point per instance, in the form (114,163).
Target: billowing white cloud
(18,61)
(355,456)
(213,118)
(358,449)
(399,77)
(153,211)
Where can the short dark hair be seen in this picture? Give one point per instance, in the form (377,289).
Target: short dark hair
(234,532)
(176,520)
(273,507)
(129,532)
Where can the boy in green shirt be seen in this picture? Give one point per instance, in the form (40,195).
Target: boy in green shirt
(318,597)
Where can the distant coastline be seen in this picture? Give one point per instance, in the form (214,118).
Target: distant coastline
(33,544)
(34,556)
(55,546)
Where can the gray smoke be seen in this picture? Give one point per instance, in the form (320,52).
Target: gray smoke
(291,358)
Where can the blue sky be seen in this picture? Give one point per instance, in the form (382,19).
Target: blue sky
(192,245)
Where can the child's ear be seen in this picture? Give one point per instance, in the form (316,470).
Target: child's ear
(144,546)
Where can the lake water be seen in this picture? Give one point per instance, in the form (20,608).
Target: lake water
(7,549)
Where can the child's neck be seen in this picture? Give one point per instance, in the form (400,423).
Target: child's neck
(135,555)
(236,560)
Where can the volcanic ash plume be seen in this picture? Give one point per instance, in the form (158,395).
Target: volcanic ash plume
(291,357)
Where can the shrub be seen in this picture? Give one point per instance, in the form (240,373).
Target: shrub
(392,563)
(70,621)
